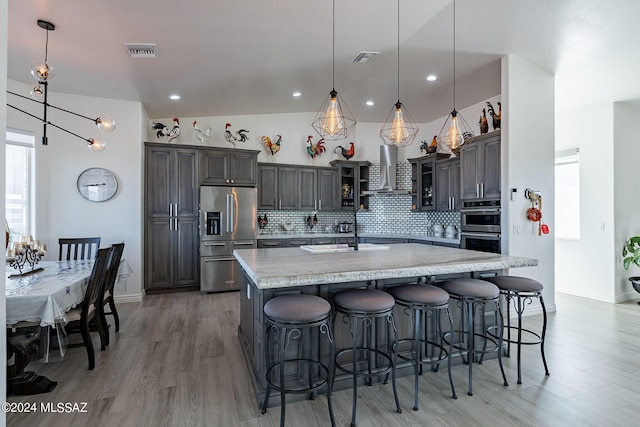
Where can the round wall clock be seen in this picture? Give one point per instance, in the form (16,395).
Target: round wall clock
(97,184)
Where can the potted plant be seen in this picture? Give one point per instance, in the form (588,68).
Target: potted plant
(631,255)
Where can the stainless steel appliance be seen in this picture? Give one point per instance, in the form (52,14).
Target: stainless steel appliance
(480,226)
(227,222)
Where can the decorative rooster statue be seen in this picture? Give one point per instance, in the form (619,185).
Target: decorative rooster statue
(162,130)
(317,149)
(347,154)
(273,147)
(431,147)
(495,116)
(484,125)
(200,135)
(241,135)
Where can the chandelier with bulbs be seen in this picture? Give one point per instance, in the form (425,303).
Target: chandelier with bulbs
(43,72)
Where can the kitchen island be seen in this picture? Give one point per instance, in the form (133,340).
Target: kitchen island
(272,272)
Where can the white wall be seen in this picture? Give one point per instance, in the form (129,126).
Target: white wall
(585,267)
(626,153)
(3,120)
(61,210)
(528,162)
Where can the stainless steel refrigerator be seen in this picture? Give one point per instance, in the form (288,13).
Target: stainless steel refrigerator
(228,218)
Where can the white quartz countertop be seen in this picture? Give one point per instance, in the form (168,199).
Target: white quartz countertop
(286,267)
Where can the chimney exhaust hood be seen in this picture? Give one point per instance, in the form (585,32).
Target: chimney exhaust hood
(388,161)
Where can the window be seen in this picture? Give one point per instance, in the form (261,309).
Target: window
(18,200)
(567,213)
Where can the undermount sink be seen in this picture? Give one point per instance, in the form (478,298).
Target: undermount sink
(342,247)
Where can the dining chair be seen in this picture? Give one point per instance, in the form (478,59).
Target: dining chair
(80,317)
(110,281)
(77,248)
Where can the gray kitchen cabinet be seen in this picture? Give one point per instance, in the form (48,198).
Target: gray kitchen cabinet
(267,187)
(316,189)
(295,242)
(480,167)
(171,210)
(323,241)
(229,167)
(272,243)
(448,184)
(383,240)
(352,181)
(287,188)
(423,181)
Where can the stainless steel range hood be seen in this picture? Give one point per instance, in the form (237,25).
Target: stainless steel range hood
(388,161)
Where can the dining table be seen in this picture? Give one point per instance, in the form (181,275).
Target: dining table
(36,305)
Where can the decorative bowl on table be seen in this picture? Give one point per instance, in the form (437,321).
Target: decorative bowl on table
(288,226)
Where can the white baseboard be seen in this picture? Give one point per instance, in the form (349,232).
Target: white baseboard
(128,298)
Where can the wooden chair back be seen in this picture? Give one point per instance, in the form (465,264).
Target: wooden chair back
(112,267)
(77,248)
(95,286)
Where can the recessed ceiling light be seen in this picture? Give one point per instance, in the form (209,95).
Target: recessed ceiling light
(369,103)
(296,94)
(432,78)
(174,97)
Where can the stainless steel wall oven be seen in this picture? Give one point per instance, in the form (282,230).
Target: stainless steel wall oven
(480,225)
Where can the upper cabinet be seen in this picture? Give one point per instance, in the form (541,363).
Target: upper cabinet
(353,181)
(448,184)
(221,166)
(291,187)
(423,181)
(480,167)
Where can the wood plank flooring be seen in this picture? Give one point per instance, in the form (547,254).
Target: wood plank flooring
(176,362)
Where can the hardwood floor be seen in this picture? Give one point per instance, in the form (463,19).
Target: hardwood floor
(176,362)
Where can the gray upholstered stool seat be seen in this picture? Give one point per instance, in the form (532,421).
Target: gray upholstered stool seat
(521,290)
(425,303)
(360,308)
(290,321)
(297,308)
(364,300)
(471,294)
(420,294)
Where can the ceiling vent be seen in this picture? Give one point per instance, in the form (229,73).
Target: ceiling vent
(141,50)
(364,57)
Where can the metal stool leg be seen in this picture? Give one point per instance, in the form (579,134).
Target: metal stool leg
(500,340)
(453,390)
(544,332)
(354,347)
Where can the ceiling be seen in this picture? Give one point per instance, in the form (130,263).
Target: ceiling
(248,57)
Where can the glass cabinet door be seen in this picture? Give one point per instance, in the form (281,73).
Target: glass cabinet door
(426,175)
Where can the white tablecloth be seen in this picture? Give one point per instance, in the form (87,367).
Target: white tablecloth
(46,296)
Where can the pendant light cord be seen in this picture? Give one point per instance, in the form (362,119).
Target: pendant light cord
(454,55)
(398,28)
(333,56)
(46,48)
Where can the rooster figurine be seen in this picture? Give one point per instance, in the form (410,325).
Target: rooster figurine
(241,135)
(347,154)
(495,116)
(162,130)
(273,147)
(200,135)
(317,149)
(431,147)
(484,125)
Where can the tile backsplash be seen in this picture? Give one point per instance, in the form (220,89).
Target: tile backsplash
(388,213)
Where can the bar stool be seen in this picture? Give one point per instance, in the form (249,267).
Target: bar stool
(364,306)
(471,294)
(521,290)
(422,301)
(290,316)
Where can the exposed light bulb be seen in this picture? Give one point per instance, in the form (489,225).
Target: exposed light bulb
(42,71)
(333,121)
(398,132)
(96,145)
(106,124)
(454,135)
(37,92)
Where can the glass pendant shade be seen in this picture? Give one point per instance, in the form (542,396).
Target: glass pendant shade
(96,145)
(106,124)
(42,71)
(455,136)
(399,128)
(334,119)
(37,92)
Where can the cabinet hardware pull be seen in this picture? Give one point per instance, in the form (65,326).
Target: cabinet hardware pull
(214,244)
(170,209)
(320,204)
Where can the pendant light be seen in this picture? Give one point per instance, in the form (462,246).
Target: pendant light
(455,136)
(43,73)
(334,120)
(399,128)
